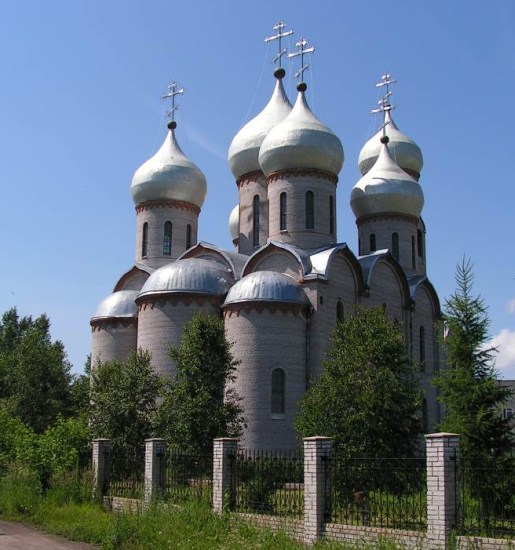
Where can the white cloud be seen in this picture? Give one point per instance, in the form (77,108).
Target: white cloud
(505,358)
(511,306)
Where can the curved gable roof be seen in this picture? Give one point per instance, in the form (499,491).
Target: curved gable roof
(137,270)
(234,261)
(298,254)
(421,281)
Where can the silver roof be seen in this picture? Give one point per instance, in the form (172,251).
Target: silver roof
(234,223)
(267,286)
(190,275)
(118,304)
(169,174)
(233,260)
(300,255)
(301,141)
(421,280)
(367,263)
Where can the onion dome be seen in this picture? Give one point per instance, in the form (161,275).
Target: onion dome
(386,188)
(169,175)
(244,148)
(301,141)
(191,275)
(267,286)
(119,304)
(234,223)
(405,151)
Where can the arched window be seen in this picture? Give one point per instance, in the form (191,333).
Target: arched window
(278,391)
(255,221)
(413,264)
(167,239)
(310,210)
(373,247)
(282,211)
(422,349)
(420,243)
(395,246)
(188,236)
(331,215)
(144,241)
(339,311)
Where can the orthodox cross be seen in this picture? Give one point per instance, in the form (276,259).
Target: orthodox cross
(173,90)
(302,52)
(279,36)
(384,102)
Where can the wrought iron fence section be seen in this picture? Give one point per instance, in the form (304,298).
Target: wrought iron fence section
(188,477)
(127,473)
(377,492)
(485,495)
(269,482)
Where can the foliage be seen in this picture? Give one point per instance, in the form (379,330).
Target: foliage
(80,390)
(367,399)
(468,388)
(34,372)
(18,442)
(123,402)
(198,404)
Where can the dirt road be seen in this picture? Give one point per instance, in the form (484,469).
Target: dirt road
(14,536)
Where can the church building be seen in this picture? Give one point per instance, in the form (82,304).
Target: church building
(288,280)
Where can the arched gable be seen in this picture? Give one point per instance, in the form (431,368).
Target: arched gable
(279,257)
(231,260)
(133,279)
(329,263)
(421,286)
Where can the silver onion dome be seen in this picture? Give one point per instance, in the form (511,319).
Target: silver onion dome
(244,148)
(169,174)
(386,188)
(267,286)
(119,304)
(234,222)
(191,275)
(301,141)
(404,150)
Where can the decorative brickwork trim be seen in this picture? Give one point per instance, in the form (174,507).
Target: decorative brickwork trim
(302,172)
(175,298)
(272,307)
(113,322)
(369,218)
(167,203)
(251,177)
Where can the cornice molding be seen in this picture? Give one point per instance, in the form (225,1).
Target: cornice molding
(302,172)
(167,203)
(369,218)
(113,322)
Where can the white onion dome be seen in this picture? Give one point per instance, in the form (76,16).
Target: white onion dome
(188,276)
(244,148)
(117,305)
(234,223)
(301,141)
(386,188)
(404,150)
(267,286)
(169,175)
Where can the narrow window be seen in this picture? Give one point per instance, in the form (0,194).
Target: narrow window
(278,388)
(188,236)
(167,239)
(413,264)
(282,213)
(420,243)
(339,311)
(331,215)
(144,241)
(395,246)
(373,242)
(425,419)
(255,221)
(310,210)
(422,349)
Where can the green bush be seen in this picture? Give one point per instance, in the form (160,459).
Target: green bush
(20,491)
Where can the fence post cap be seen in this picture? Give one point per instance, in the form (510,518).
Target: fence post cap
(441,435)
(317,438)
(225,439)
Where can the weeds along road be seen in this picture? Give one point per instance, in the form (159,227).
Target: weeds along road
(14,536)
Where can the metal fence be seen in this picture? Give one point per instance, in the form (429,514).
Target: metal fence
(127,473)
(188,477)
(269,482)
(377,492)
(486,496)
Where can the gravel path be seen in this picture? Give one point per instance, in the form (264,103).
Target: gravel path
(14,536)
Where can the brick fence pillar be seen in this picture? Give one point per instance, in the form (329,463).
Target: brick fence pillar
(224,454)
(442,451)
(100,463)
(317,478)
(155,468)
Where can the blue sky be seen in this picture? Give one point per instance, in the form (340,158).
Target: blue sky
(81,110)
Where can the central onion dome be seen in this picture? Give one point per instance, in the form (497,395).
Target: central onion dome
(386,189)
(191,276)
(301,141)
(405,151)
(244,148)
(169,175)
